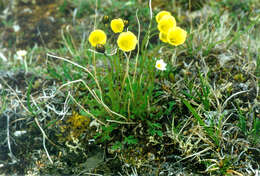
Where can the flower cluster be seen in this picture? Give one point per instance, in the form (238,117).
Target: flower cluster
(169,31)
(126,41)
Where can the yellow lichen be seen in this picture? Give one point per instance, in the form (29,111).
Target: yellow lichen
(78,124)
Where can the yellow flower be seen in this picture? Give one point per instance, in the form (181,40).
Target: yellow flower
(97,37)
(176,36)
(167,22)
(127,41)
(161,14)
(163,37)
(117,25)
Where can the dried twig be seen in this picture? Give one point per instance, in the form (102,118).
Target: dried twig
(44,136)
(14,159)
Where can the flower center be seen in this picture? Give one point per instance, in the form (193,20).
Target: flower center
(125,43)
(172,39)
(96,39)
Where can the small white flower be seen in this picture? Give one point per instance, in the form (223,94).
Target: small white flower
(19,133)
(160,65)
(16,28)
(21,53)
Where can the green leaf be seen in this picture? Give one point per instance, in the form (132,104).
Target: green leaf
(209,130)
(130,140)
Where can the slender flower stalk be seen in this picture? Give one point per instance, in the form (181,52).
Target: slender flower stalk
(102,41)
(127,70)
(150,24)
(138,47)
(151,10)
